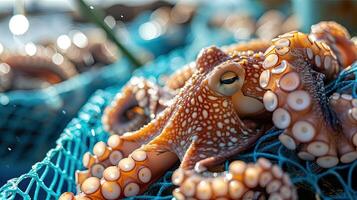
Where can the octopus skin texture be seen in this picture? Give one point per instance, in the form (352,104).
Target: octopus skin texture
(141,100)
(162,141)
(178,79)
(230,99)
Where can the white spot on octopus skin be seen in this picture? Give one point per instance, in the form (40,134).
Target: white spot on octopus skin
(212,98)
(200,99)
(225,103)
(204,113)
(193,101)
(182,143)
(219,125)
(233,139)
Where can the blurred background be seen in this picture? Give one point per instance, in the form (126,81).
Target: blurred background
(55,53)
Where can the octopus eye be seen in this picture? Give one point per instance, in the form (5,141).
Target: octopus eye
(229,78)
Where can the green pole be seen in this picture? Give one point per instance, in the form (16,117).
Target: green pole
(98,20)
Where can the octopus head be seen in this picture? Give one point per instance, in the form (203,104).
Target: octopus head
(226,77)
(212,115)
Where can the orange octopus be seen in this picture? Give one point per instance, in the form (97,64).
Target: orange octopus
(227,99)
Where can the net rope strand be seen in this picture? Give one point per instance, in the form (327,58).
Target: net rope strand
(54,175)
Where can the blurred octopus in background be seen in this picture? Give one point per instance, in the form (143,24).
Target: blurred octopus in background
(51,62)
(217,107)
(268,26)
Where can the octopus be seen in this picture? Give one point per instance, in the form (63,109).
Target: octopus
(216,108)
(20,71)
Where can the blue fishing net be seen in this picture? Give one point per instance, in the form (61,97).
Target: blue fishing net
(31,121)
(55,174)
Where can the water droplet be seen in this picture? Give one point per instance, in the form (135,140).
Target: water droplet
(4,100)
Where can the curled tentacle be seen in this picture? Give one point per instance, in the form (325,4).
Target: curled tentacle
(130,177)
(338,39)
(261,180)
(179,78)
(36,71)
(294,76)
(118,147)
(138,103)
(105,155)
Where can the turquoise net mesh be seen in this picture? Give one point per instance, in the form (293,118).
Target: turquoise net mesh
(55,174)
(31,121)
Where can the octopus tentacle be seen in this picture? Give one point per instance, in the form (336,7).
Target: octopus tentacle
(138,103)
(119,147)
(178,79)
(130,177)
(200,157)
(205,122)
(346,107)
(261,180)
(40,70)
(336,37)
(294,76)
(256,46)
(42,60)
(105,155)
